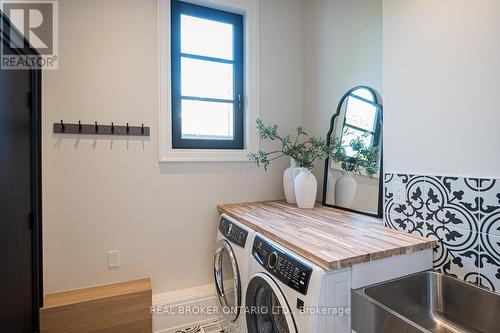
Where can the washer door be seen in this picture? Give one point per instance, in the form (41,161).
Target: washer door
(227,280)
(267,310)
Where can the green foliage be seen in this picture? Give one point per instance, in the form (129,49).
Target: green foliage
(303,149)
(364,159)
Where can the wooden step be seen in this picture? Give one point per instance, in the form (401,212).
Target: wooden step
(120,307)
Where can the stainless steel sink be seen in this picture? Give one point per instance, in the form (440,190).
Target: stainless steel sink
(425,302)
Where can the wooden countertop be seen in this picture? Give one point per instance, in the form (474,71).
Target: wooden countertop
(328,237)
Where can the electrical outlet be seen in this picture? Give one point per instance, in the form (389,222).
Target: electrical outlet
(114,259)
(399,191)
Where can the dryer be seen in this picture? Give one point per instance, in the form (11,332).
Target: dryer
(289,294)
(231,265)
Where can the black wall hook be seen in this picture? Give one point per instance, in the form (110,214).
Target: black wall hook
(79,128)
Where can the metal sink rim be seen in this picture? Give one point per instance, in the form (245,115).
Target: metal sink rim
(362,292)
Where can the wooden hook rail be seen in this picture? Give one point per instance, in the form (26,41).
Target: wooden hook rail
(99,129)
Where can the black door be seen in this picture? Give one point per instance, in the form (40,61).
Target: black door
(19,198)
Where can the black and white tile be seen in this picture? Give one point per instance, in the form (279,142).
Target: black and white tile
(194,329)
(219,326)
(490,262)
(409,214)
(489,213)
(463,214)
(457,252)
(452,201)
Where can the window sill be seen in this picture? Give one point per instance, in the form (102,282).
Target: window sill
(205,155)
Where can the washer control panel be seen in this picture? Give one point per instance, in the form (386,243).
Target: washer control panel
(232,232)
(288,269)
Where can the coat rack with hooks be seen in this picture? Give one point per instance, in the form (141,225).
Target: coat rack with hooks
(100,129)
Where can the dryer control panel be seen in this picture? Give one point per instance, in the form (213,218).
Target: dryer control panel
(288,269)
(232,232)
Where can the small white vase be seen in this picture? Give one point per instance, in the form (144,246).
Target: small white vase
(345,189)
(305,187)
(289,182)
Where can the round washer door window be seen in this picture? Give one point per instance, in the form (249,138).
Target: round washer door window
(227,281)
(266,308)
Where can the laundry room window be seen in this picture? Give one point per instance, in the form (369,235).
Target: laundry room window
(206,78)
(362,120)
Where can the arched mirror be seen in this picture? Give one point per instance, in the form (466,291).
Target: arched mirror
(353,178)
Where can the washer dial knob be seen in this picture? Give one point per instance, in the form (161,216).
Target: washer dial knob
(272,260)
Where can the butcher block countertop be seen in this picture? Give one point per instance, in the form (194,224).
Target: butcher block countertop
(330,238)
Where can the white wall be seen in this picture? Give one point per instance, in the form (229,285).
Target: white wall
(113,194)
(441,85)
(343,49)
(441,78)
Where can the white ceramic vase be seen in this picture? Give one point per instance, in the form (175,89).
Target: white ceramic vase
(305,187)
(289,182)
(345,189)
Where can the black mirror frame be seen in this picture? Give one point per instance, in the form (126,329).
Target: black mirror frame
(379,213)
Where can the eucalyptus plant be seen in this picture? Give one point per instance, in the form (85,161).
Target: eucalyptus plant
(305,150)
(302,148)
(364,160)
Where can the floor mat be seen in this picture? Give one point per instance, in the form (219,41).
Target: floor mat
(214,327)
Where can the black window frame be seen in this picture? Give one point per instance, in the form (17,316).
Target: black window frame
(375,132)
(177,9)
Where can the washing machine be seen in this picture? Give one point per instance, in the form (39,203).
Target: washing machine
(231,265)
(289,294)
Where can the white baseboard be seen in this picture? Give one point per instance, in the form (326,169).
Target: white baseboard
(171,309)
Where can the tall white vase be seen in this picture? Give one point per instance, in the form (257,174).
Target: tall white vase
(345,189)
(289,182)
(305,187)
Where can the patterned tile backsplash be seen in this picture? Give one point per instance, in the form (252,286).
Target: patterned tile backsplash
(463,214)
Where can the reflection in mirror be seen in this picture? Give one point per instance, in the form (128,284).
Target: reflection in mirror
(352,174)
